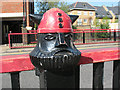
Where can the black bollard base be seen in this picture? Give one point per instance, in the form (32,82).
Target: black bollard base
(59,80)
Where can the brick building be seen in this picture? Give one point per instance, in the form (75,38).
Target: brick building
(13,13)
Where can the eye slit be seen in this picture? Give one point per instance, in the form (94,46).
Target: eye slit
(49,37)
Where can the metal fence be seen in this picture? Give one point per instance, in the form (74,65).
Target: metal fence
(22,40)
(93,36)
(80,36)
(86,58)
(97,78)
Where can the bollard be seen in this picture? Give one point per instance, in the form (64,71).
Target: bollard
(55,57)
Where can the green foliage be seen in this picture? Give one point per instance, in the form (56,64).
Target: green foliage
(105,17)
(116,20)
(44,5)
(102,25)
(64,6)
(103,34)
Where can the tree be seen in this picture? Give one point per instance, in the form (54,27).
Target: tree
(102,25)
(103,34)
(44,5)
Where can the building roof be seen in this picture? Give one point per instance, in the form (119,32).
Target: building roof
(114,10)
(101,12)
(82,5)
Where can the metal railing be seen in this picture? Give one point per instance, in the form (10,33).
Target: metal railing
(93,36)
(22,40)
(80,36)
(98,71)
(98,68)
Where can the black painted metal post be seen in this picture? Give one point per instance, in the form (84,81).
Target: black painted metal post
(15,80)
(114,35)
(83,37)
(28,38)
(68,80)
(116,75)
(77,78)
(98,76)
(42,79)
(109,34)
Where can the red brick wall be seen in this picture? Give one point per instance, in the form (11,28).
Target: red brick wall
(12,7)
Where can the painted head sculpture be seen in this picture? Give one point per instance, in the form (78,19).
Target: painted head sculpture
(55,49)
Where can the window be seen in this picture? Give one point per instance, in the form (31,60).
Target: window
(91,13)
(85,13)
(85,20)
(79,12)
(79,22)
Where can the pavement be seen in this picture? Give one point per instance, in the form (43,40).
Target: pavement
(5,50)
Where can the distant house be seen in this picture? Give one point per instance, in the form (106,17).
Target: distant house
(110,12)
(101,13)
(13,14)
(86,14)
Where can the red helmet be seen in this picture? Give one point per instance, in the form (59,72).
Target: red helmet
(54,21)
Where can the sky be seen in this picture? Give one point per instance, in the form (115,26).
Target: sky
(96,2)
(101,3)
(93,3)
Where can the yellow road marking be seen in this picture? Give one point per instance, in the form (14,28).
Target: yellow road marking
(97,47)
(14,53)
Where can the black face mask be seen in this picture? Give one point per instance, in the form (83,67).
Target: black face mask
(55,52)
